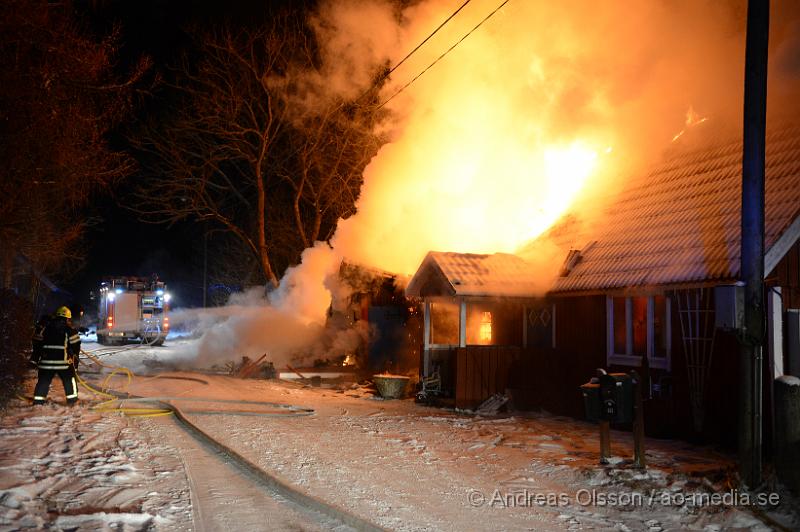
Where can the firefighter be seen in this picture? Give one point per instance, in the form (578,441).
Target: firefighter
(56,350)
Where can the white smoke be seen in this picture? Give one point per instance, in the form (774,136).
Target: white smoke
(288,324)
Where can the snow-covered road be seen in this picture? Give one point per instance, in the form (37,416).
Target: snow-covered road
(223,498)
(396,464)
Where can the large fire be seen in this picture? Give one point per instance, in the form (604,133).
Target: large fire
(519,111)
(473,192)
(497,140)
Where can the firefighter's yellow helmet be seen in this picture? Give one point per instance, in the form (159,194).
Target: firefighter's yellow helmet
(64,312)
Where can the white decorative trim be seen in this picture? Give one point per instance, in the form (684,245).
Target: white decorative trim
(775,331)
(462,324)
(426,342)
(788,239)
(426,316)
(628,327)
(609,328)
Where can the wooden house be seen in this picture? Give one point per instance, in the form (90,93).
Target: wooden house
(476,320)
(646,283)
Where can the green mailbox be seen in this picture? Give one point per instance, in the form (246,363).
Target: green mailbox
(609,398)
(616,397)
(591,400)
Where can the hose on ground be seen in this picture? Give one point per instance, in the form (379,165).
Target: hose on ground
(119,400)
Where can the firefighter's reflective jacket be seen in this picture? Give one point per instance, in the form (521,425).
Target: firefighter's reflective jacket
(57,346)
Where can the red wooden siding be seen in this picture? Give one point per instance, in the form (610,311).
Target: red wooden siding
(482,371)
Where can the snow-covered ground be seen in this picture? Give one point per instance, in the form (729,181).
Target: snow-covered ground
(409,467)
(69,468)
(397,464)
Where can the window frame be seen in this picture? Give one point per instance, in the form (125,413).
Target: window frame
(627,358)
(428,321)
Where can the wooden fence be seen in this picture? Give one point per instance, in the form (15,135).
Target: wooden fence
(536,378)
(481,371)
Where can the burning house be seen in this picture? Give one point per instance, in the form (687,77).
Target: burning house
(391,321)
(480,313)
(649,284)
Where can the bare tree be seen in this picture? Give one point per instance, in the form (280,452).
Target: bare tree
(232,267)
(332,147)
(242,144)
(210,159)
(60,99)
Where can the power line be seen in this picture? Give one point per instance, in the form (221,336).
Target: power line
(404,87)
(389,73)
(409,54)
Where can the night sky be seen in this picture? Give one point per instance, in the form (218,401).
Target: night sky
(120,243)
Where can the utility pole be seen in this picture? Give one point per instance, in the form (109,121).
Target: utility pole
(205,264)
(752,245)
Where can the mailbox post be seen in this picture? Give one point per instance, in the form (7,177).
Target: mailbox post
(638,422)
(615,398)
(605,442)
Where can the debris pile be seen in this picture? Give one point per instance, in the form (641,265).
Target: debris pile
(492,406)
(250,369)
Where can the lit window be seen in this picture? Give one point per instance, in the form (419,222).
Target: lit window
(486,327)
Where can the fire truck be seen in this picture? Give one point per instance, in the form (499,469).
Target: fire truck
(133,309)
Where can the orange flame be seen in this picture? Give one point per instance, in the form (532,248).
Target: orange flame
(480,161)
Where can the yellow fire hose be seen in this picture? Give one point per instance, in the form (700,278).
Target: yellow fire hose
(114,403)
(116,400)
(111,402)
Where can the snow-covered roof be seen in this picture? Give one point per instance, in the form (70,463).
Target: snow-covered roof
(468,274)
(680,222)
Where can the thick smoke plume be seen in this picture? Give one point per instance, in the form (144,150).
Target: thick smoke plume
(284,324)
(545,108)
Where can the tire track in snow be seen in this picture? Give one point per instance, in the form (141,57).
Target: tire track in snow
(230,492)
(225,499)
